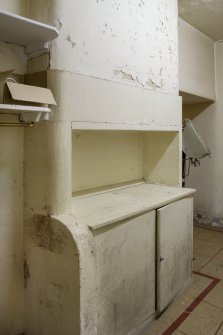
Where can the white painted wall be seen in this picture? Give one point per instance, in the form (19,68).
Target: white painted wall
(207,178)
(162,158)
(12,57)
(196,62)
(102,159)
(11,204)
(106,158)
(133,42)
(19,7)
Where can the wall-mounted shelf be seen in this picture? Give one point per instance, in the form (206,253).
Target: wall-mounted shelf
(23,31)
(26,113)
(153,126)
(26,94)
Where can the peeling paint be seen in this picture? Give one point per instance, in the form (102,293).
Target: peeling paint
(139,79)
(73,44)
(60,23)
(128,76)
(137,33)
(125,75)
(151,83)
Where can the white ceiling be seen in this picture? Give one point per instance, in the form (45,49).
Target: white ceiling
(205,15)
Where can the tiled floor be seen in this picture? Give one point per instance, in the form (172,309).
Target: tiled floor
(206,315)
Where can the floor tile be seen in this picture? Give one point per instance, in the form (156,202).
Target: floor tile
(211,236)
(207,317)
(199,261)
(206,248)
(197,230)
(220,331)
(204,320)
(219,255)
(158,326)
(215,297)
(178,307)
(214,268)
(183,301)
(199,284)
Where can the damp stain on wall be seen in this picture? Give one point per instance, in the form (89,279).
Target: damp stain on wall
(45,234)
(26,273)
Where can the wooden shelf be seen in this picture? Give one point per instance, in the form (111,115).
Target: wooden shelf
(104,208)
(23,31)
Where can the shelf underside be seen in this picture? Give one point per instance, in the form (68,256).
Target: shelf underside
(189,98)
(23,31)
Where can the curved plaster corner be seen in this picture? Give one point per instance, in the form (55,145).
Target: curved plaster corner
(59,277)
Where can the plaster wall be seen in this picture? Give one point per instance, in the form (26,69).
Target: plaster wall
(196,62)
(106,158)
(19,7)
(11,195)
(162,164)
(133,43)
(137,40)
(142,53)
(102,159)
(52,259)
(207,178)
(11,231)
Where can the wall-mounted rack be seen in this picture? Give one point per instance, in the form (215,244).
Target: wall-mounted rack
(16,124)
(26,114)
(34,37)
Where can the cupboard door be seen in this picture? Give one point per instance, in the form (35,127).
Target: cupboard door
(125,254)
(174,249)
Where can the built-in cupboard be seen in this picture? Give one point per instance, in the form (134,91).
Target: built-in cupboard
(141,228)
(142,260)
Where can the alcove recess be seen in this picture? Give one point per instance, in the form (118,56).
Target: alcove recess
(102,160)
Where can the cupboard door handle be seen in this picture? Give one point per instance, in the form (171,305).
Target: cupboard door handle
(161,259)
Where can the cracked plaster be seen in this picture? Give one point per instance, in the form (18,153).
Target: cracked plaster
(137,41)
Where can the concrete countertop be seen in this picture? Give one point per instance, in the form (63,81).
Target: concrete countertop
(104,208)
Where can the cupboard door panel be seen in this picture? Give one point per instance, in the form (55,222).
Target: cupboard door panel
(125,255)
(174,249)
